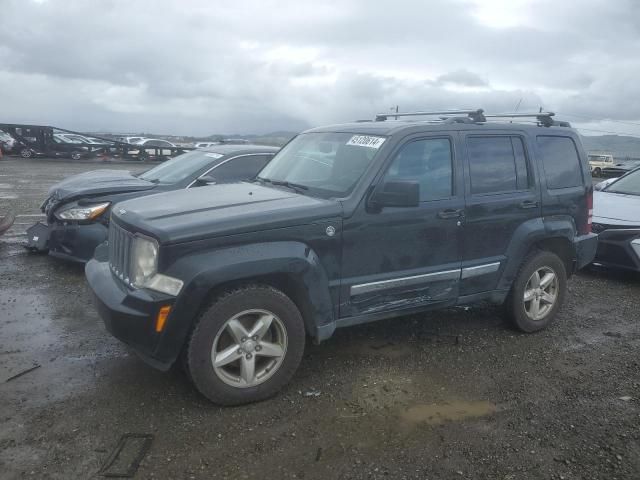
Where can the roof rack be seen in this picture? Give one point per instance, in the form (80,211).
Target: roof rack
(544,119)
(474,114)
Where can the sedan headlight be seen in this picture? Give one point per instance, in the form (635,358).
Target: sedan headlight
(82,212)
(144,268)
(635,244)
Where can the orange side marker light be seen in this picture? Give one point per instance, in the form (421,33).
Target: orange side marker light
(161,319)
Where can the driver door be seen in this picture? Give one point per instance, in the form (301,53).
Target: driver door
(404,257)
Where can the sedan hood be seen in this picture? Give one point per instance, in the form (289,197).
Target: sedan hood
(206,212)
(98,182)
(616,209)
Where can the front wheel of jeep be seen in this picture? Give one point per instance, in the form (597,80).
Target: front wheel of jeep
(537,292)
(246,345)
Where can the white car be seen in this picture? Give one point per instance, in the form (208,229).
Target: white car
(153,148)
(131,140)
(206,144)
(598,162)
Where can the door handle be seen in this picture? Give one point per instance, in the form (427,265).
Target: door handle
(529,204)
(451,213)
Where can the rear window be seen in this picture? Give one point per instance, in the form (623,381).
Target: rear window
(497,164)
(561,161)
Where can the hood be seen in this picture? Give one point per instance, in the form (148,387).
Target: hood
(616,209)
(98,182)
(216,210)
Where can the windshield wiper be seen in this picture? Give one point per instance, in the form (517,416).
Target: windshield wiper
(293,186)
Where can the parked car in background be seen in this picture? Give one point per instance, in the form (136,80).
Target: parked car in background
(153,148)
(616,220)
(7,143)
(66,147)
(347,224)
(205,144)
(78,208)
(130,139)
(599,161)
(618,169)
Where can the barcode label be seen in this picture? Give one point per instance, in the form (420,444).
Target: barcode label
(366,141)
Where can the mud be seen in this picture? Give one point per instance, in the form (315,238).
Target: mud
(451,395)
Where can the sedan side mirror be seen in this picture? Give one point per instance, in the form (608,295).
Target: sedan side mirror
(206,180)
(396,194)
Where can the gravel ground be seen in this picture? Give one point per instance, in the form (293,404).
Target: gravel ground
(452,394)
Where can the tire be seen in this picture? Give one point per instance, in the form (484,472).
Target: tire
(522,313)
(26,153)
(250,307)
(76,156)
(597,172)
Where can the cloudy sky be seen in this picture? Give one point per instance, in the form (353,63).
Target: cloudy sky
(255,66)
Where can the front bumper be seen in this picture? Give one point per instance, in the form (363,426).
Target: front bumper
(130,315)
(71,241)
(615,248)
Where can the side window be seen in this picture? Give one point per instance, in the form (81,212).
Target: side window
(561,161)
(497,164)
(241,168)
(428,162)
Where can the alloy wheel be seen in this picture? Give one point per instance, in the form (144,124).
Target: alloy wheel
(249,348)
(541,293)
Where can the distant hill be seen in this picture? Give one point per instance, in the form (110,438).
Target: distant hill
(618,145)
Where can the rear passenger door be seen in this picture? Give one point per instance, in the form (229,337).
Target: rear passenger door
(501,197)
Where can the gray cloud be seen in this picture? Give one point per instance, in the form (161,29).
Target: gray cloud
(256,66)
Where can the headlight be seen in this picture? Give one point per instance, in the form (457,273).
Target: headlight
(144,261)
(144,268)
(85,212)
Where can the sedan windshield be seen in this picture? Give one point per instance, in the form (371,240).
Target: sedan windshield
(181,167)
(326,164)
(629,184)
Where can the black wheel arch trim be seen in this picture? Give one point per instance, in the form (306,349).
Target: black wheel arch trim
(207,272)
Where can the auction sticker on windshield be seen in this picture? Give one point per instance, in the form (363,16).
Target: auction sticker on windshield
(366,141)
(213,155)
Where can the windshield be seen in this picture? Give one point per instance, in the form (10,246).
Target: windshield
(326,164)
(629,184)
(181,167)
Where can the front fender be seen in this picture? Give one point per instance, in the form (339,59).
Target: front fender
(205,271)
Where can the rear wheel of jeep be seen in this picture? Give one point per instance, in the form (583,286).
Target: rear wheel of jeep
(597,172)
(246,346)
(26,153)
(537,292)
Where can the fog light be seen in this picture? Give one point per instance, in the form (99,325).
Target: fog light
(161,319)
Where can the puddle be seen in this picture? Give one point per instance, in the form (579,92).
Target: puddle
(435,414)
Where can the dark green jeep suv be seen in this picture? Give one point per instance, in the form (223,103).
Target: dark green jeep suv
(347,224)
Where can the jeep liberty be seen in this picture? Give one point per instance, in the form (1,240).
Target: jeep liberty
(347,224)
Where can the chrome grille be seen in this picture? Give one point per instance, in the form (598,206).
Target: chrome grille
(120,250)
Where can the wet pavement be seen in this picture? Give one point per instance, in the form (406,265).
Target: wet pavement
(452,394)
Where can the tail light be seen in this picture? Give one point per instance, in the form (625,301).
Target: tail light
(586,227)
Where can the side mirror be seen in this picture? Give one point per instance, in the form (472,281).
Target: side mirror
(396,194)
(602,185)
(206,180)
